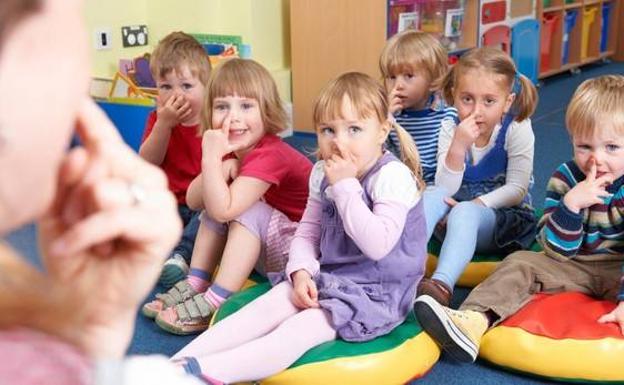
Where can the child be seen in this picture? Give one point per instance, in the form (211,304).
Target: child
(412,63)
(582,213)
(250,221)
(355,259)
(485,163)
(181,68)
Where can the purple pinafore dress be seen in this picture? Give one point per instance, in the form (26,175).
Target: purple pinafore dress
(367,298)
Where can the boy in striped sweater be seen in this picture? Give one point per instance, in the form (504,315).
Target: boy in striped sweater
(582,231)
(412,65)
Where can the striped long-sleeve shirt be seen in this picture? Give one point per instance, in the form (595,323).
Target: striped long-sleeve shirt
(595,233)
(424,127)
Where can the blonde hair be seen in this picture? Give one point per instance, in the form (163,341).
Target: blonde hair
(494,61)
(595,102)
(176,50)
(370,100)
(245,78)
(414,51)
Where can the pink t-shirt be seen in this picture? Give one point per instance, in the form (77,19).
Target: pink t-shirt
(285,168)
(182,161)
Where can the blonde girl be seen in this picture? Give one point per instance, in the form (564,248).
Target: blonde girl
(356,257)
(253,187)
(485,164)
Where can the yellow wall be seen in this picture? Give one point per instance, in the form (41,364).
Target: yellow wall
(263,24)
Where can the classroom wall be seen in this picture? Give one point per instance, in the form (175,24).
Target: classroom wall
(262,24)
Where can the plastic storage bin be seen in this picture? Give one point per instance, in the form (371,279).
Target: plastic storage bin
(549,23)
(547,3)
(606,19)
(569,23)
(589,15)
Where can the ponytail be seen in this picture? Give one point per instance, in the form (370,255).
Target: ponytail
(526,98)
(409,154)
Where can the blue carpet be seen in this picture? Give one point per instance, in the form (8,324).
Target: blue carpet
(552,147)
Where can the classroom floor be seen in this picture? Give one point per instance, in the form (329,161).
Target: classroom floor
(552,147)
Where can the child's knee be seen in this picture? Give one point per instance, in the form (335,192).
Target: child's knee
(464,213)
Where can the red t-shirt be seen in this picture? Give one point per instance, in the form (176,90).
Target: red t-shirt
(286,169)
(182,161)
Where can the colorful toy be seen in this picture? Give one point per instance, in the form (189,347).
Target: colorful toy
(396,358)
(558,337)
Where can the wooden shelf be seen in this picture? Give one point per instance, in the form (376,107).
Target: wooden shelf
(582,32)
(329,37)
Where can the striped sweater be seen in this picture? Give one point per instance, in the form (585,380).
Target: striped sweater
(424,127)
(596,233)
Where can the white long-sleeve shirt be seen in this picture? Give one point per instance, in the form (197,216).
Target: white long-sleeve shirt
(519,144)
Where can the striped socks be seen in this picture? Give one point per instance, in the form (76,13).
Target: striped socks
(199,280)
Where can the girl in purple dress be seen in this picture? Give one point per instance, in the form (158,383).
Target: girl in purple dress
(357,255)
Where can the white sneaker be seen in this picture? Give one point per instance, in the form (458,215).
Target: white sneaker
(458,332)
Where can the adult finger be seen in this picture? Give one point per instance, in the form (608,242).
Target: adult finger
(132,224)
(94,128)
(70,173)
(103,141)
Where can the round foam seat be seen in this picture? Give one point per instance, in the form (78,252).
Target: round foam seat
(404,354)
(558,337)
(481,266)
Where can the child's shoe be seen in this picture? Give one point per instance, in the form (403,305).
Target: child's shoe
(436,289)
(458,332)
(192,316)
(174,270)
(179,293)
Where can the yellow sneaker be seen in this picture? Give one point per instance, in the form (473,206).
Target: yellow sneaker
(458,332)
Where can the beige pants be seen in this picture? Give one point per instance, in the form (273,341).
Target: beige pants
(525,273)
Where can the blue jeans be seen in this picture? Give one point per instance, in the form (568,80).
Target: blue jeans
(190,219)
(469,228)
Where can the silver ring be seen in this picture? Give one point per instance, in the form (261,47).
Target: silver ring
(138,194)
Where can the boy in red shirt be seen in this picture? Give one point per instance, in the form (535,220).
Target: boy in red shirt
(181,68)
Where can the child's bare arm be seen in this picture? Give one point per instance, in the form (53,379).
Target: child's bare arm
(194,192)
(154,148)
(224,203)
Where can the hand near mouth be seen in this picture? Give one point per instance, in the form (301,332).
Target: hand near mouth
(589,192)
(216,142)
(340,166)
(467,132)
(396,102)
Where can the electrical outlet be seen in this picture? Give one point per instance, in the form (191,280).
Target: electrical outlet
(134,36)
(102,38)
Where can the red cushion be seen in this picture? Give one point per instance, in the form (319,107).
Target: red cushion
(565,315)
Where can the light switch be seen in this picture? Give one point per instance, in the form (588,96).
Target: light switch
(102,38)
